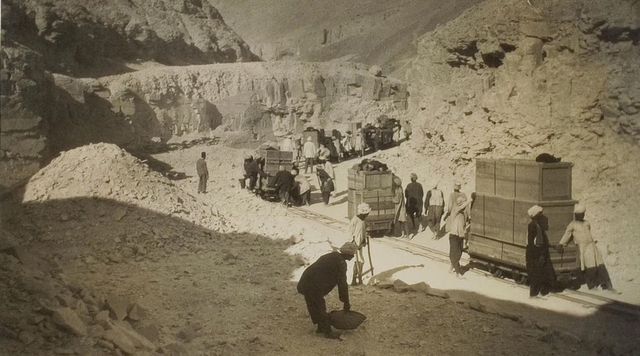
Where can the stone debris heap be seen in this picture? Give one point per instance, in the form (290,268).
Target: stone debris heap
(105,171)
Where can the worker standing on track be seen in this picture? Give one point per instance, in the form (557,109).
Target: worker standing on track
(319,279)
(400,213)
(309,152)
(591,262)
(456,226)
(358,144)
(304,189)
(414,194)
(357,232)
(453,197)
(434,208)
(539,268)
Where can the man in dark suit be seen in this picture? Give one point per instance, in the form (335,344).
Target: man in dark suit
(319,279)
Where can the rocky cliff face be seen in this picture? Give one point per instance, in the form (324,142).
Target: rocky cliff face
(510,79)
(270,99)
(25,101)
(94,38)
(373,32)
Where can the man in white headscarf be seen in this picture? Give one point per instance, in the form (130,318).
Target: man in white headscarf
(539,268)
(591,262)
(456,226)
(357,232)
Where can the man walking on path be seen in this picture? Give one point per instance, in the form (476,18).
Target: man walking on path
(434,207)
(203,173)
(414,194)
(319,279)
(357,232)
(309,152)
(456,226)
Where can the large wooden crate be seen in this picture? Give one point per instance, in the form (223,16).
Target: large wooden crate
(524,179)
(559,213)
(514,256)
(380,201)
(362,180)
(276,158)
(506,220)
(486,176)
(498,218)
(485,247)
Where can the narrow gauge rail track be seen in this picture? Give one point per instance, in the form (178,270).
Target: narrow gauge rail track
(587,300)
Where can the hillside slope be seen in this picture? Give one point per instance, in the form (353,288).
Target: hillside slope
(508,79)
(94,38)
(373,32)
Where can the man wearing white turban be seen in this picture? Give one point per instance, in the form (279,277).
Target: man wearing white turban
(591,262)
(539,268)
(357,232)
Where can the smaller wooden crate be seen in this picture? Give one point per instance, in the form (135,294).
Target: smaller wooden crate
(276,158)
(543,181)
(380,201)
(362,180)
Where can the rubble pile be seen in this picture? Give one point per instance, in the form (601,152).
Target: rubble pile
(43,312)
(108,172)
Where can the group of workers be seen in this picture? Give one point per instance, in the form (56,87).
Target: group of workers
(412,202)
(330,270)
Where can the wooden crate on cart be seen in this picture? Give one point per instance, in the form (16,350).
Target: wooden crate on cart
(524,179)
(363,180)
(381,203)
(275,158)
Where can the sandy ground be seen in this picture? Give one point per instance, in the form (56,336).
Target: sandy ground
(216,274)
(396,264)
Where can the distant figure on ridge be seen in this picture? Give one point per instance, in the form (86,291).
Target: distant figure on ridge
(203,173)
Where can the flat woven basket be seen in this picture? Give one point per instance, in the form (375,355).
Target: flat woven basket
(346,320)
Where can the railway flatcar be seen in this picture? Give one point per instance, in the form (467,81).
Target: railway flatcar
(505,189)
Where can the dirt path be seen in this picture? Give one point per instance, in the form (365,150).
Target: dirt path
(227,286)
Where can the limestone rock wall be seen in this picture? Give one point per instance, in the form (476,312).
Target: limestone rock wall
(137,110)
(515,78)
(25,101)
(94,38)
(243,97)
